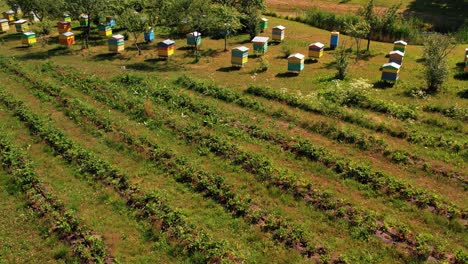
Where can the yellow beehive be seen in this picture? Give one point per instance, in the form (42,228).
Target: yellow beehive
(316,50)
(9,15)
(4,26)
(21,25)
(28,38)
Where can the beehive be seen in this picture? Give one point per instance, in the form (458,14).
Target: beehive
(116,43)
(260,44)
(28,38)
(84,20)
(390,72)
(166,48)
(105,30)
(194,38)
(67,18)
(316,50)
(149,34)
(400,45)
(17,10)
(110,20)
(67,38)
(239,56)
(278,33)
(396,56)
(9,15)
(63,26)
(263,24)
(296,63)
(4,26)
(334,39)
(21,25)
(466,54)
(32,17)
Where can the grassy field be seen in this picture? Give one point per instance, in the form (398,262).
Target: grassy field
(185,161)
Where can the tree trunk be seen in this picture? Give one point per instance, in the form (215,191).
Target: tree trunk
(136,45)
(368,41)
(225,42)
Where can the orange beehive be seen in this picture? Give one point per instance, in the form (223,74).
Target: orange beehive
(63,26)
(67,38)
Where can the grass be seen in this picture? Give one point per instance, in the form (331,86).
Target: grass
(132,240)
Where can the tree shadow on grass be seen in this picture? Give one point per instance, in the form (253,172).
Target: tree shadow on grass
(311,61)
(383,85)
(443,14)
(287,74)
(229,69)
(42,55)
(7,37)
(152,65)
(108,57)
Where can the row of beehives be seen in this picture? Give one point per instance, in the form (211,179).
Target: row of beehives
(391,70)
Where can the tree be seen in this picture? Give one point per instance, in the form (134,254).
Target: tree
(135,23)
(436,49)
(43,9)
(358,31)
(91,8)
(369,15)
(341,62)
(227,19)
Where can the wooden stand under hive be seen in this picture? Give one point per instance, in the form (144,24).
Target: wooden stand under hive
(21,25)
(334,39)
(166,48)
(28,38)
(390,72)
(260,44)
(278,33)
(194,38)
(116,43)
(63,26)
(105,30)
(396,56)
(316,50)
(239,56)
(296,63)
(67,38)
(4,26)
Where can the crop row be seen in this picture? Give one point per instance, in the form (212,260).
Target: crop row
(267,173)
(305,148)
(326,129)
(150,206)
(412,137)
(86,244)
(454,112)
(209,184)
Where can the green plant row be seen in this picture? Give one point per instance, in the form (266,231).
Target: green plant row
(150,206)
(357,218)
(328,130)
(412,137)
(209,184)
(454,112)
(85,243)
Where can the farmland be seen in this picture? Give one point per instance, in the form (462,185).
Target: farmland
(127,158)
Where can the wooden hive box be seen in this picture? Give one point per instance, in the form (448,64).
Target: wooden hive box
(263,24)
(63,26)
(334,39)
(260,44)
(390,72)
(194,38)
(28,38)
(296,62)
(105,30)
(4,25)
(17,10)
(396,56)
(239,56)
(32,17)
(466,64)
(67,17)
(116,43)
(316,50)
(149,34)
(21,25)
(110,20)
(466,54)
(84,20)
(166,48)
(400,45)
(67,38)
(278,33)
(9,15)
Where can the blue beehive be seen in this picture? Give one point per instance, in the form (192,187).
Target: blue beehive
(334,39)
(149,35)
(110,20)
